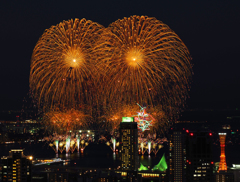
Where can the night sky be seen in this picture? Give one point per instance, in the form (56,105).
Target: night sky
(210,30)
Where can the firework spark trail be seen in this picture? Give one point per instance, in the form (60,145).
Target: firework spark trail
(159,120)
(63,122)
(62,66)
(145,62)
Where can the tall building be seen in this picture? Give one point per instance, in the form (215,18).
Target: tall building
(236,172)
(177,155)
(16,167)
(224,177)
(199,156)
(129,144)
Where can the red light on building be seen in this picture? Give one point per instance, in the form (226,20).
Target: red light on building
(191,134)
(212,162)
(189,163)
(210,134)
(187,131)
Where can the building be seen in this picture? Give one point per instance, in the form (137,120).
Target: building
(129,144)
(224,177)
(16,167)
(177,155)
(236,172)
(199,156)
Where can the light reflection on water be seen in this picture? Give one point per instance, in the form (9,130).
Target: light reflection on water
(99,156)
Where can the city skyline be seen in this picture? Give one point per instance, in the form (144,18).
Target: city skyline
(209,30)
(89,79)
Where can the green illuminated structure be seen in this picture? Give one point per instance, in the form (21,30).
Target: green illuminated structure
(142,167)
(161,166)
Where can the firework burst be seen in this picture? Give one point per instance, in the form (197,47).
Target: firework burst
(157,116)
(62,66)
(63,122)
(145,62)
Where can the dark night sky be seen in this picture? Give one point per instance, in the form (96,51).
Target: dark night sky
(210,29)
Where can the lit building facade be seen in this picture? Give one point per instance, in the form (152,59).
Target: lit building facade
(129,144)
(236,172)
(177,156)
(224,177)
(199,156)
(16,167)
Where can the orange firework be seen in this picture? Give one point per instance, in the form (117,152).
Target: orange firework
(114,116)
(65,121)
(157,116)
(145,62)
(62,66)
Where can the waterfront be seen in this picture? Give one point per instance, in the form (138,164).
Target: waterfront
(94,156)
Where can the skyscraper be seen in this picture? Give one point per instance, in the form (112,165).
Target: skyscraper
(199,156)
(129,144)
(177,155)
(16,167)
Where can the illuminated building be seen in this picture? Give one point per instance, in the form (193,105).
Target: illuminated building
(222,164)
(236,172)
(199,156)
(129,144)
(177,156)
(226,127)
(16,167)
(58,176)
(225,177)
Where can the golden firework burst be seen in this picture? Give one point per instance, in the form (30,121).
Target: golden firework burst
(145,62)
(63,64)
(62,121)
